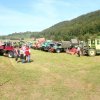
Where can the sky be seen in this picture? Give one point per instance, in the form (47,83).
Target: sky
(37,15)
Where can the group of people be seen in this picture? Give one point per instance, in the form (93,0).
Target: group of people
(23,53)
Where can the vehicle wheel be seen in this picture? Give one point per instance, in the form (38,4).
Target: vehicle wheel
(1,52)
(58,51)
(91,52)
(10,54)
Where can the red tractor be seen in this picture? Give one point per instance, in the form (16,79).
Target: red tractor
(7,48)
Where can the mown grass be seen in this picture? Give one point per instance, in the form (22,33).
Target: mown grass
(50,76)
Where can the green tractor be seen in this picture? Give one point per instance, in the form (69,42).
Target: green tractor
(93,47)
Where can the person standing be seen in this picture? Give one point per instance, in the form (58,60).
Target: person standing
(16,53)
(78,51)
(27,53)
(22,55)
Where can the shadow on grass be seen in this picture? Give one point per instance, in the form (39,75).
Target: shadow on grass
(26,61)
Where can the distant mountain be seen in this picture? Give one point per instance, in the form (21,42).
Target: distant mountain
(83,27)
(21,35)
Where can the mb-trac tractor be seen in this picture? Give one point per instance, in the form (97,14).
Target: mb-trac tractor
(92,48)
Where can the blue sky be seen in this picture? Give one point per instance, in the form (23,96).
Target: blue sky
(37,15)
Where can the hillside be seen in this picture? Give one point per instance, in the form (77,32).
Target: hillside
(84,26)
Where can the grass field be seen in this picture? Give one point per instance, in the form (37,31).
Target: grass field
(50,76)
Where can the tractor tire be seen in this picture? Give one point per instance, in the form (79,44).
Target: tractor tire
(58,50)
(1,53)
(91,52)
(11,54)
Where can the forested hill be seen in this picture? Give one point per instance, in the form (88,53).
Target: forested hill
(83,27)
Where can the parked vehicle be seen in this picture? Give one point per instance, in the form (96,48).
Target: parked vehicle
(45,45)
(92,48)
(30,44)
(72,50)
(65,45)
(55,47)
(38,43)
(58,47)
(7,48)
(74,42)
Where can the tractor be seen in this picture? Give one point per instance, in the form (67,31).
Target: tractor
(7,48)
(92,48)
